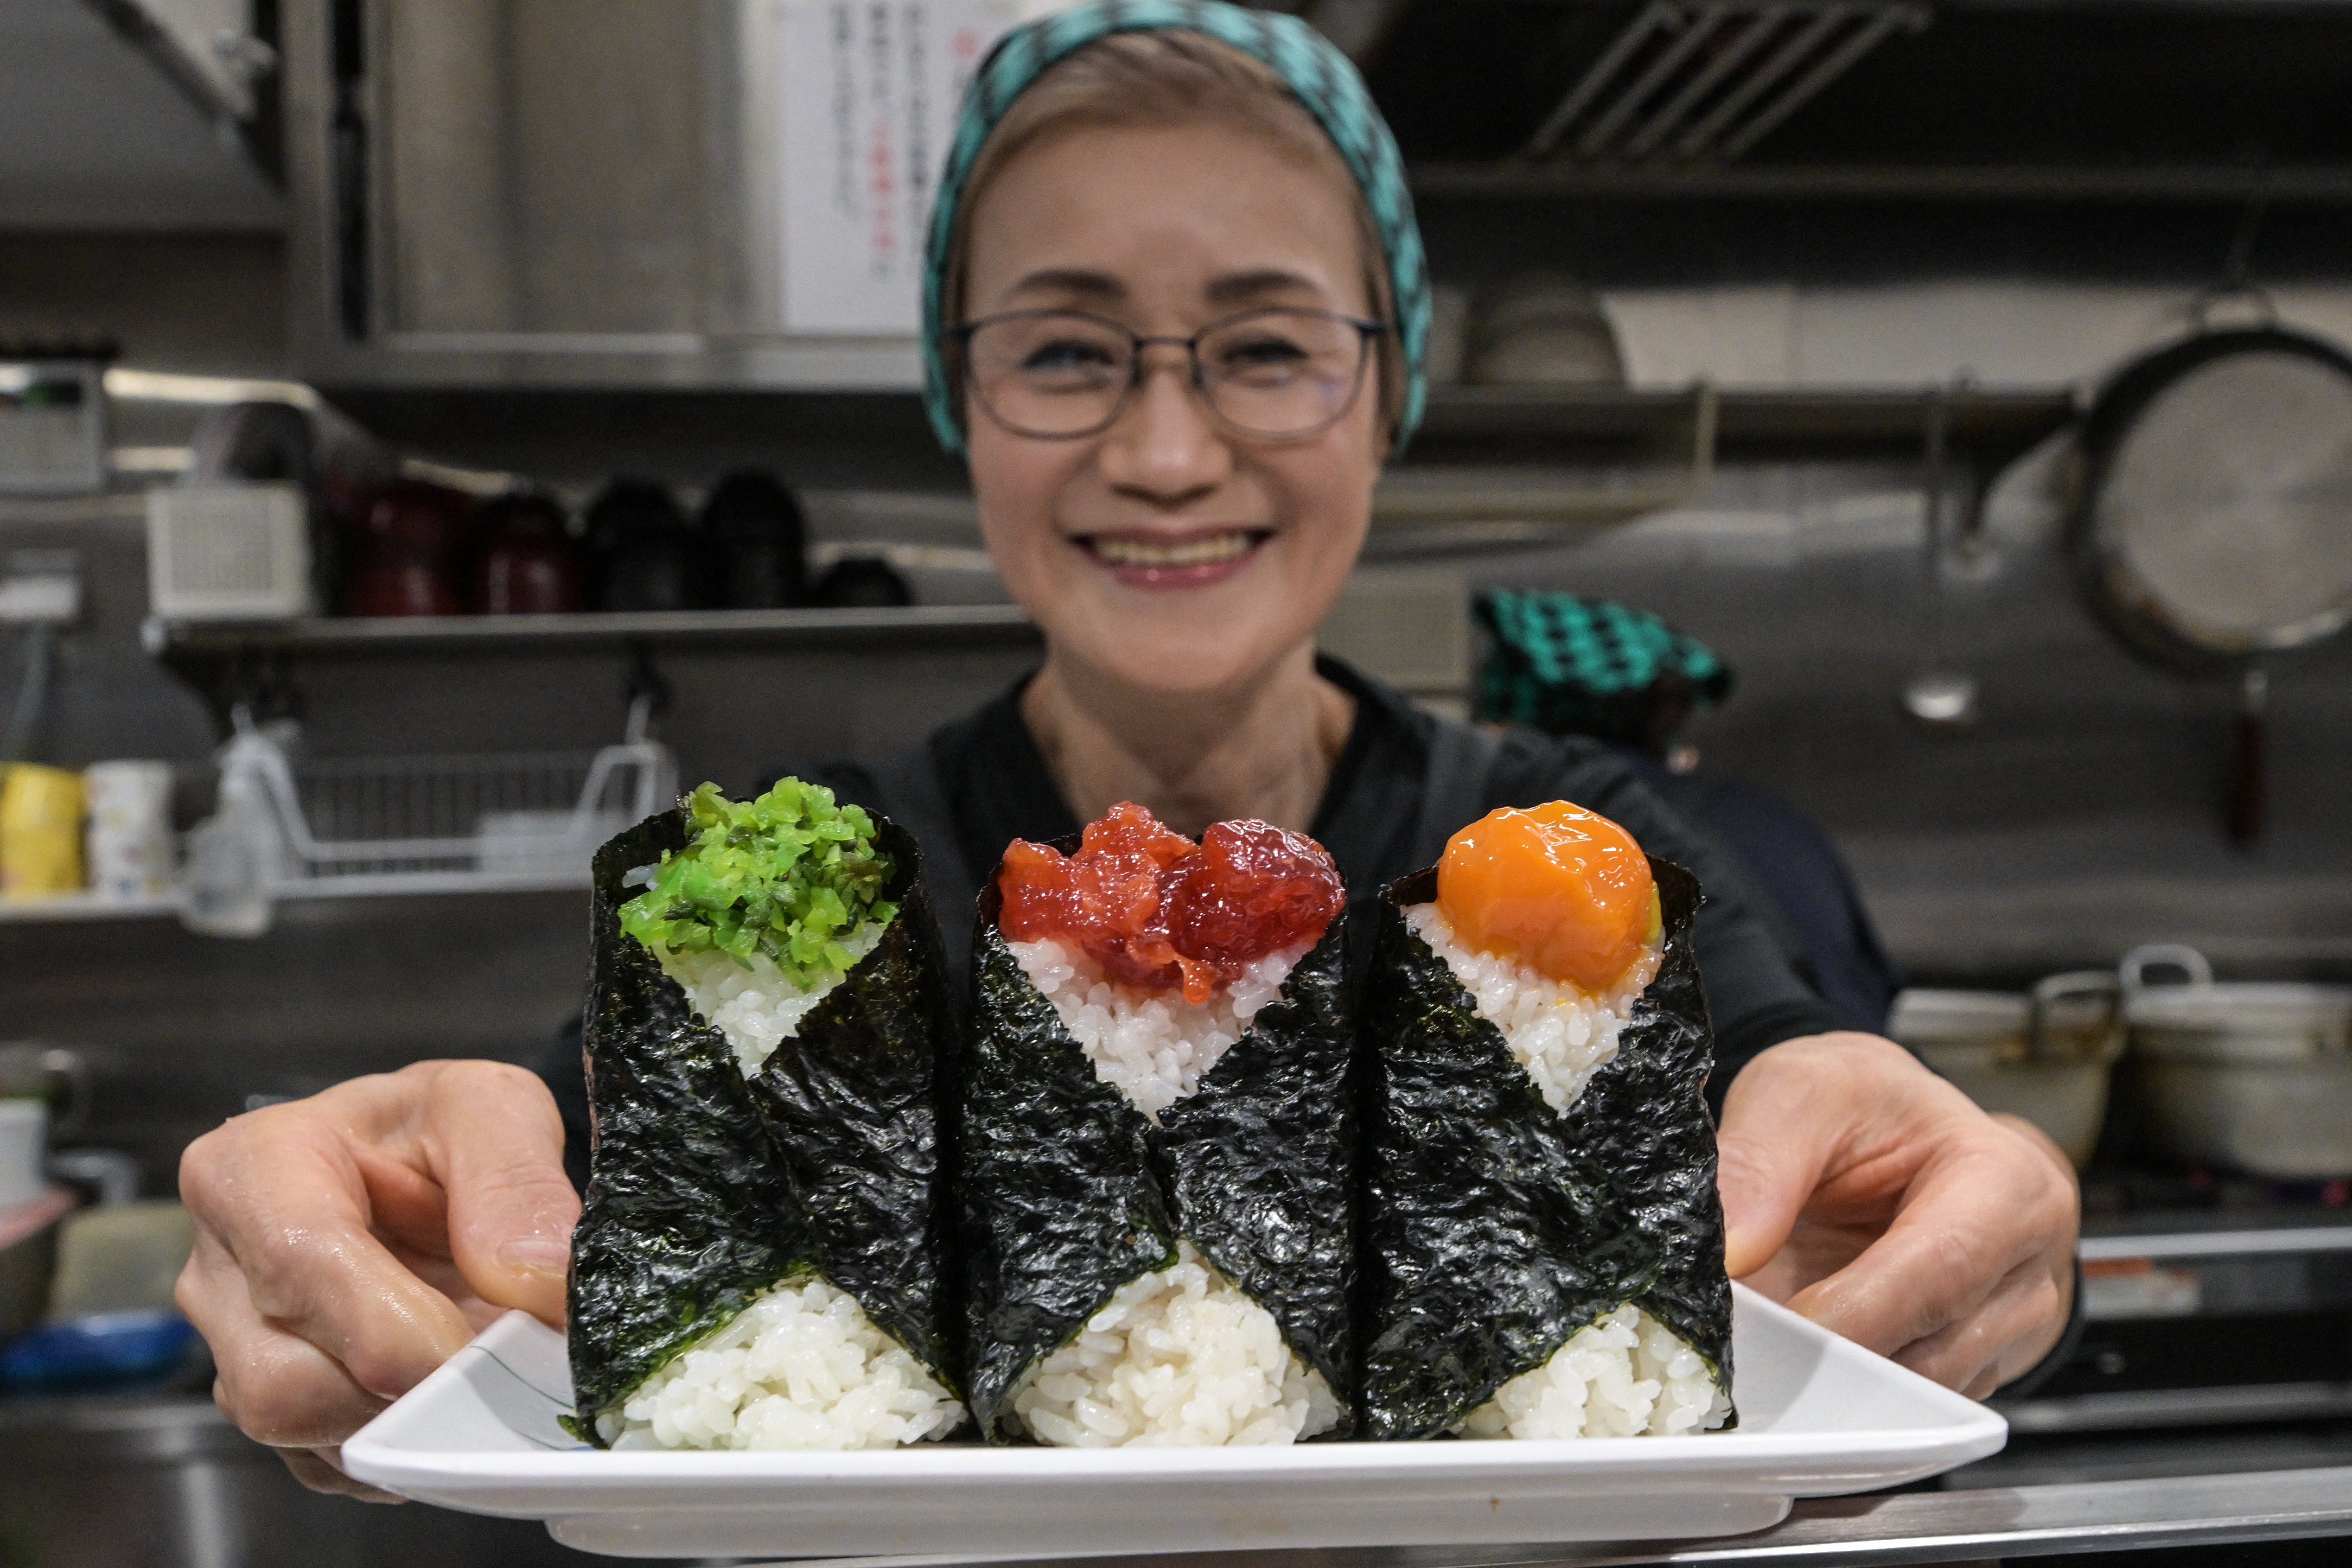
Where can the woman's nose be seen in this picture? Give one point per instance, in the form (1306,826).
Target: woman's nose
(1164,443)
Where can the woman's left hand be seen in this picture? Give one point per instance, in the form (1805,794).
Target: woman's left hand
(1876,1199)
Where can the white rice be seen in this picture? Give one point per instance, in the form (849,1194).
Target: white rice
(1181,1356)
(1628,1375)
(1151,1047)
(802,1367)
(755,1005)
(1178,1358)
(799,1368)
(1560,1032)
(1625,1376)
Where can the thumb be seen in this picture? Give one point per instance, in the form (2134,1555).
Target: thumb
(511,1209)
(1771,1151)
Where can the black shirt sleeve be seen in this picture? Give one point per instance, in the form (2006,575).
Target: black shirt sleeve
(1754,995)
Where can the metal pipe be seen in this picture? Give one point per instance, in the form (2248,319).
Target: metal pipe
(2159,1409)
(1873,1531)
(1835,65)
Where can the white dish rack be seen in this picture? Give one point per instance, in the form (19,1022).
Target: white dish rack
(451,824)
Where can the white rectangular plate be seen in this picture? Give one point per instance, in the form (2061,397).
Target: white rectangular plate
(1817,1417)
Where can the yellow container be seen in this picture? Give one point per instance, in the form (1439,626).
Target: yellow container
(40,832)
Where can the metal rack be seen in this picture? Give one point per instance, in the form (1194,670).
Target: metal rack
(461,823)
(1482,454)
(355,827)
(1492,468)
(63,908)
(177,641)
(1692,82)
(227,661)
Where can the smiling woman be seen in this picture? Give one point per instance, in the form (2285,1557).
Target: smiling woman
(1163,550)
(1172,303)
(1174,320)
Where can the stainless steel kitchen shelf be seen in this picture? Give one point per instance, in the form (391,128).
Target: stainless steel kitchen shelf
(1992,426)
(846,439)
(227,661)
(921,624)
(1885,1530)
(2317,184)
(1753,423)
(73,907)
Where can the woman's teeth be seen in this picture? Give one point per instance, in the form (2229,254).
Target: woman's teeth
(1188,552)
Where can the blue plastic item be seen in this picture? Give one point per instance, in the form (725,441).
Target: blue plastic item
(110,1347)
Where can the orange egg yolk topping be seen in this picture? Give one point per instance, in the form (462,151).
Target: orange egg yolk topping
(1558,888)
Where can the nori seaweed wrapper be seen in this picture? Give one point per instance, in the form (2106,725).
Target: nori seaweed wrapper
(1496,1226)
(1070,1192)
(706,1189)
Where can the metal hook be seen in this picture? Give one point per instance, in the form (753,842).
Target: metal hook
(2237,270)
(648,694)
(2200,307)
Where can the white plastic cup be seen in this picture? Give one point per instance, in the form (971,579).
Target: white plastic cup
(23,1138)
(130,843)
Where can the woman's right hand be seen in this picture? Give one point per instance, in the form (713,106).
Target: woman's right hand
(348,1244)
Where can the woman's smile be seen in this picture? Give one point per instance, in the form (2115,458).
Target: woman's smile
(1168,558)
(1170,551)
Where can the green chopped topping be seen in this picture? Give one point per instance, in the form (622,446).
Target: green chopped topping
(789,875)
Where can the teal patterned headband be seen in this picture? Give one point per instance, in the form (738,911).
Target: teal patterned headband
(1325,81)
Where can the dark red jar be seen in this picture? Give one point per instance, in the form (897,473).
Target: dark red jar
(524,561)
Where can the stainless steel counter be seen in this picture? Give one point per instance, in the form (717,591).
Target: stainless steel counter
(1946,1527)
(102,1482)
(170,1481)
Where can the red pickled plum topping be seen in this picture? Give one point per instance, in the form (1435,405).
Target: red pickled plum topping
(1251,889)
(1107,899)
(1156,911)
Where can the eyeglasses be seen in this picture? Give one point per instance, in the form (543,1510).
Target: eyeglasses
(1061,375)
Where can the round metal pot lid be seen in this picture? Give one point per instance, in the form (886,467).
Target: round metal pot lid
(2241,1008)
(2214,524)
(2241,1025)
(2218,1048)
(1924,1017)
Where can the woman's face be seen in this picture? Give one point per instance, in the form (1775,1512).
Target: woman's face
(1168,554)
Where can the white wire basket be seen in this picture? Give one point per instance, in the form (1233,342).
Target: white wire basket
(455,824)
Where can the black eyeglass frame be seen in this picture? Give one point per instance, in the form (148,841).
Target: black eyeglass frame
(1367,332)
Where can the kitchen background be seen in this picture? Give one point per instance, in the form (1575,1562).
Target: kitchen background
(1839,443)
